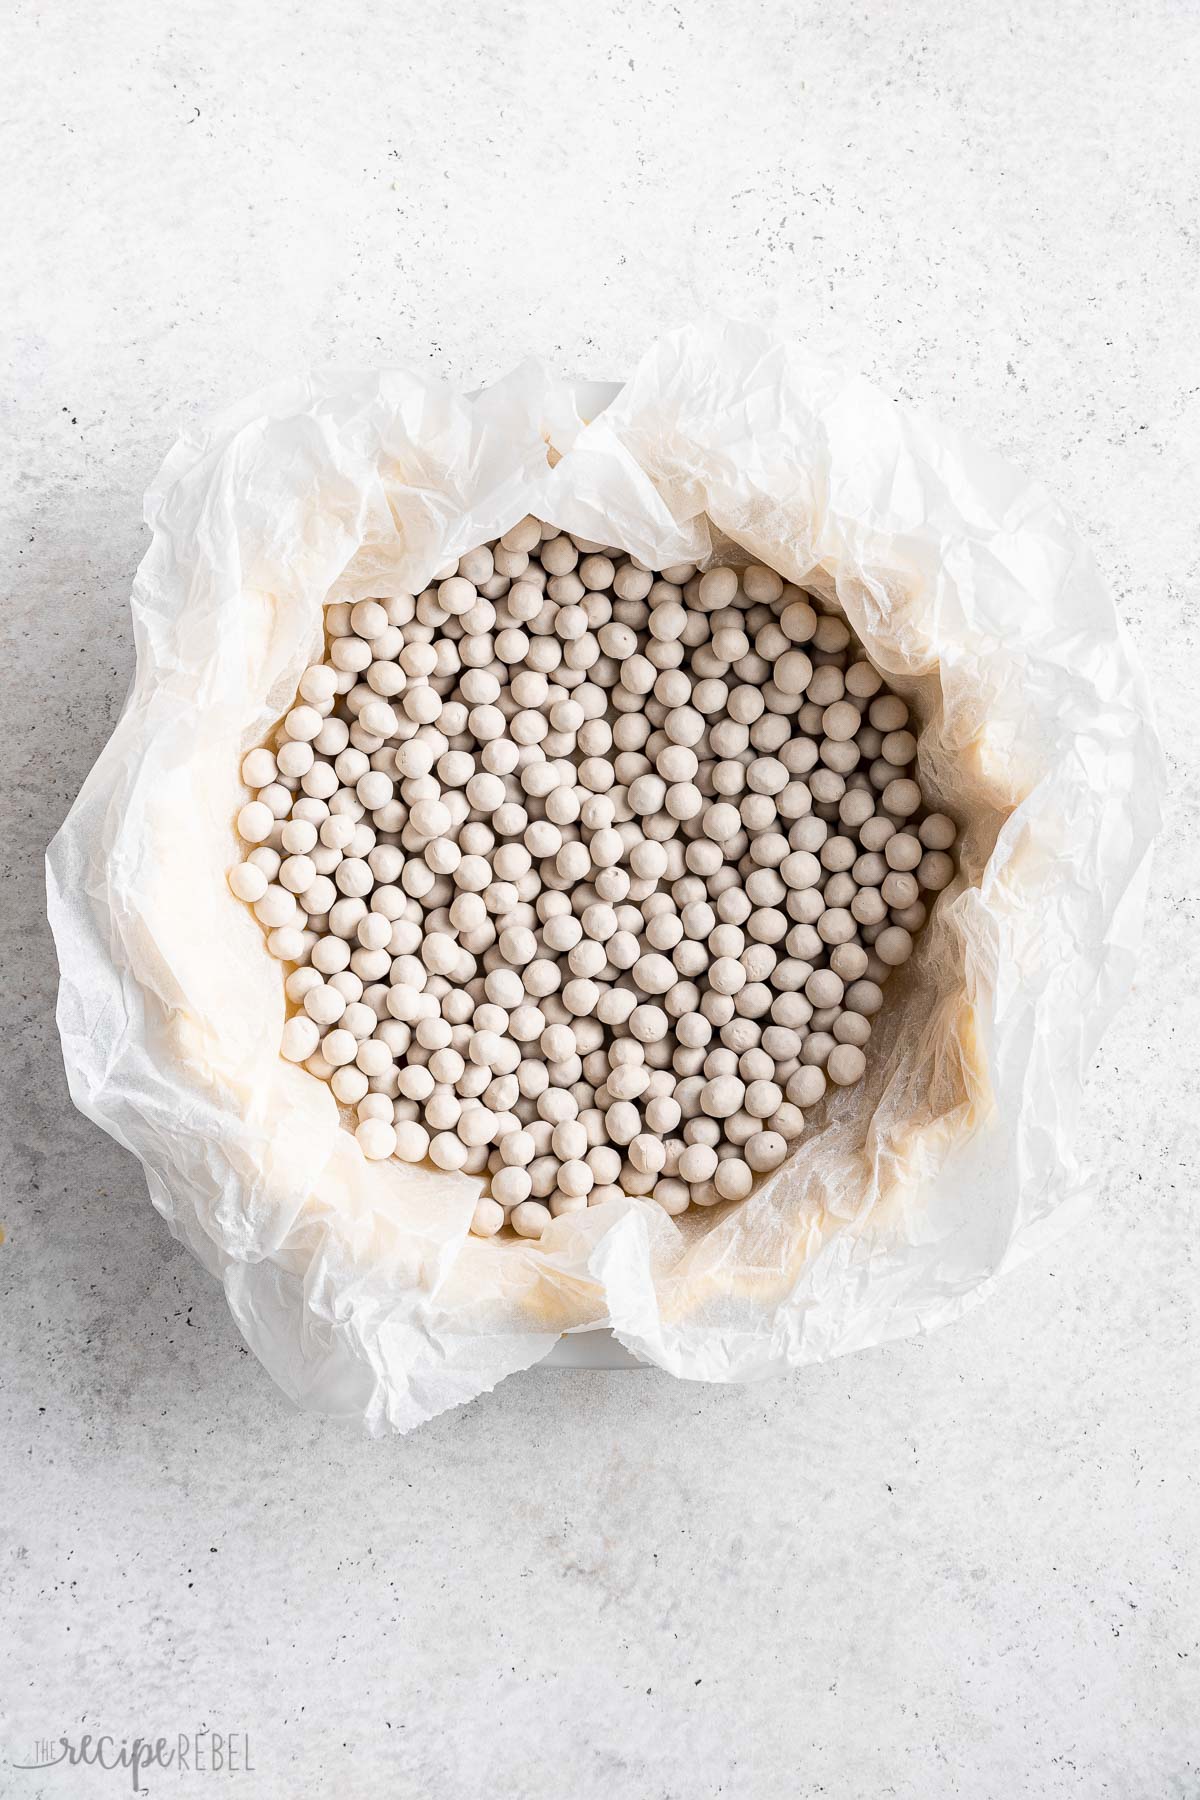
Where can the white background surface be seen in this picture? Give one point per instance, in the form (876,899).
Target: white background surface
(961,1567)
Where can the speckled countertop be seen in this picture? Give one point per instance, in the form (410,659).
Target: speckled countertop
(958,1567)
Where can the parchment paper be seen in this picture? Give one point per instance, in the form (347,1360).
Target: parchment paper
(357,1284)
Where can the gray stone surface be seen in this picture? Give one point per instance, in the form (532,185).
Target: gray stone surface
(961,1567)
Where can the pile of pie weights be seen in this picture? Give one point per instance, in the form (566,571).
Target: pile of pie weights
(589,878)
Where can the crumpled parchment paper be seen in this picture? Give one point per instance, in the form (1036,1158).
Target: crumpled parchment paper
(357,1284)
